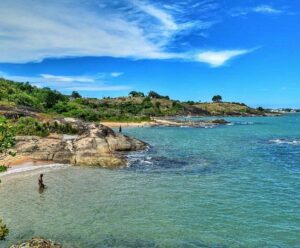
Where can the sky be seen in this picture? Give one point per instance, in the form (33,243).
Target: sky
(247,51)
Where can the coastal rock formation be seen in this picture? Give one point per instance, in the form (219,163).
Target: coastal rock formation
(37,242)
(95,145)
(171,122)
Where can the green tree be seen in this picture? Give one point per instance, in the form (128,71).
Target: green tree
(260,109)
(136,94)
(217,98)
(75,95)
(153,94)
(51,97)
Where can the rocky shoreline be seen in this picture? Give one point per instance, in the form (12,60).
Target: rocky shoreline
(172,122)
(95,145)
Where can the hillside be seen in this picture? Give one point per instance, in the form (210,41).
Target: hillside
(22,99)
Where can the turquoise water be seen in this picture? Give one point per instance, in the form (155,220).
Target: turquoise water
(230,186)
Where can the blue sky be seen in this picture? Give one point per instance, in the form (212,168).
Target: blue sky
(246,51)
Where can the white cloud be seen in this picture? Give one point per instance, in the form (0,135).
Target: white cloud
(219,58)
(70,79)
(98,88)
(267,9)
(68,83)
(116,74)
(260,9)
(32,31)
(161,15)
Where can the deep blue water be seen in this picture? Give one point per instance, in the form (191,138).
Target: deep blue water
(229,186)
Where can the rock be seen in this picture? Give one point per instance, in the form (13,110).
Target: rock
(219,121)
(37,242)
(96,145)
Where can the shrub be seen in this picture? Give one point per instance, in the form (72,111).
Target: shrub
(3,168)
(7,139)
(3,230)
(30,126)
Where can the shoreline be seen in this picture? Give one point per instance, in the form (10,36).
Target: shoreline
(117,124)
(29,168)
(157,121)
(10,161)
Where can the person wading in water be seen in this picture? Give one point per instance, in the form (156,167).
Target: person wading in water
(120,129)
(41,184)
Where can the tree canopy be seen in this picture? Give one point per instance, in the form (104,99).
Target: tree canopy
(136,94)
(217,98)
(75,95)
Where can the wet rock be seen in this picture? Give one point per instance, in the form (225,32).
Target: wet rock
(220,121)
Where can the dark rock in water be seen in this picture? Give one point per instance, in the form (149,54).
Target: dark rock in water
(96,145)
(220,121)
(37,242)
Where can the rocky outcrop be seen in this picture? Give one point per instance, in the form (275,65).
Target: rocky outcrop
(37,242)
(95,145)
(169,122)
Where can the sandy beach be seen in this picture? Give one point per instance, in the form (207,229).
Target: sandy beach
(128,124)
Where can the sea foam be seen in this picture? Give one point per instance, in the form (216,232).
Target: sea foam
(30,167)
(285,142)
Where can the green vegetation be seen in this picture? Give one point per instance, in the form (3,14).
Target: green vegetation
(217,98)
(136,94)
(46,103)
(31,126)
(3,230)
(7,139)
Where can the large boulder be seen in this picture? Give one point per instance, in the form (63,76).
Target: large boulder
(95,145)
(37,242)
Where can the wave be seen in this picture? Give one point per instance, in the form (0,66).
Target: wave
(30,167)
(139,158)
(285,142)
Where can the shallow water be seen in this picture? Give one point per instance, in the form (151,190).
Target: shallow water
(230,186)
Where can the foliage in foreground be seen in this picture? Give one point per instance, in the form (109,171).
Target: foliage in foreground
(3,168)
(4,231)
(7,139)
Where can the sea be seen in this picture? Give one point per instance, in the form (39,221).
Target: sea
(235,185)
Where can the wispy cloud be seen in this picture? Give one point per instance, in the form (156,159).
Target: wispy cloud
(134,29)
(98,82)
(267,9)
(116,74)
(98,88)
(219,58)
(31,31)
(69,79)
(259,9)
(164,17)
